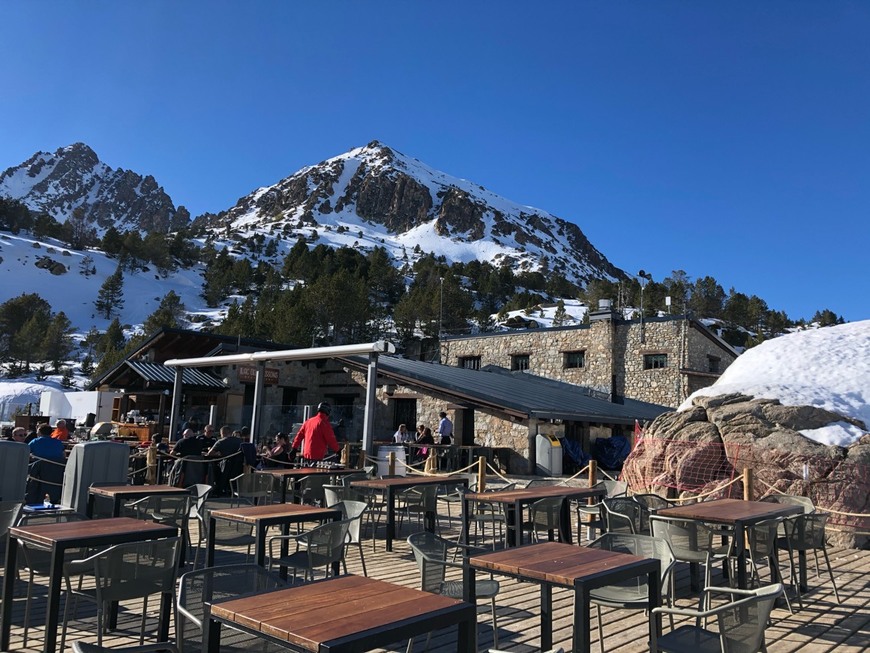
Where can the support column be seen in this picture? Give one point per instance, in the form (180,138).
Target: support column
(259,384)
(369,418)
(175,412)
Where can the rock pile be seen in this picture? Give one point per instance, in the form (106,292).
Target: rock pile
(703,448)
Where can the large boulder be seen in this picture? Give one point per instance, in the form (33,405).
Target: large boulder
(703,448)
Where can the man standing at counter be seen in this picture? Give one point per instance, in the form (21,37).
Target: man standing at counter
(315,436)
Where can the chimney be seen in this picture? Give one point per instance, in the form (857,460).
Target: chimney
(605,311)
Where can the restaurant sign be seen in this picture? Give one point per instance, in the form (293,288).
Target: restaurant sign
(248,374)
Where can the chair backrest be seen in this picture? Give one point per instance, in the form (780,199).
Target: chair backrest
(14,457)
(806,531)
(541,482)
(38,559)
(8,516)
(347,479)
(215,584)
(136,569)
(93,462)
(614,488)
(742,623)
(424,497)
(621,515)
(353,512)
(545,512)
(804,502)
(226,532)
(690,541)
(643,546)
(430,553)
(253,488)
(333,494)
(652,502)
(199,494)
(325,544)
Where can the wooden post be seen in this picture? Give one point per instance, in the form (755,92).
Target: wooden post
(392,464)
(593,472)
(361,460)
(345,454)
(481,474)
(748,489)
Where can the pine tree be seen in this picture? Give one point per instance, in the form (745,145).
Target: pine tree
(113,338)
(168,314)
(110,299)
(67,380)
(57,341)
(86,266)
(561,315)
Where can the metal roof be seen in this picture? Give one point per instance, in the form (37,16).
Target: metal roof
(157,373)
(517,393)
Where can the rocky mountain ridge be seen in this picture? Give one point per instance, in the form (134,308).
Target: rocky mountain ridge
(74,179)
(376,192)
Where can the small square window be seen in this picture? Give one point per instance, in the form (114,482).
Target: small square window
(469,362)
(713,364)
(573,359)
(655,361)
(519,362)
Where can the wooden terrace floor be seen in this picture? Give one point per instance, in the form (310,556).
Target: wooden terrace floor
(820,626)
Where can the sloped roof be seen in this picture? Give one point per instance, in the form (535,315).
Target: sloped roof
(517,393)
(158,375)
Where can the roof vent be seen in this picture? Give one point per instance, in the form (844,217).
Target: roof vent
(605,304)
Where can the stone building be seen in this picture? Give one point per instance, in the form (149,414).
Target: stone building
(659,360)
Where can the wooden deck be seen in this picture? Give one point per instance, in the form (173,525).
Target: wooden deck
(820,626)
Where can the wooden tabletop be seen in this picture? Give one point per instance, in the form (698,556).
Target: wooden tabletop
(89,530)
(117,490)
(405,481)
(557,563)
(323,612)
(731,511)
(542,492)
(251,514)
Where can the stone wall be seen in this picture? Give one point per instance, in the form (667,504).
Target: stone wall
(614,355)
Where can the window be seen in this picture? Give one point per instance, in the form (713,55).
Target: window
(519,362)
(713,364)
(470,362)
(573,359)
(655,361)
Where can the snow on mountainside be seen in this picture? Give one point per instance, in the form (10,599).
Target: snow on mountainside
(73,178)
(376,196)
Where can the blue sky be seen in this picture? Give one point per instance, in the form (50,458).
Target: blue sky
(729,139)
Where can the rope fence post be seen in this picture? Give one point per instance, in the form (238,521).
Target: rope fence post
(345,454)
(391,463)
(361,460)
(747,484)
(481,474)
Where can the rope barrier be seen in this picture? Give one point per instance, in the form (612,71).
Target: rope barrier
(48,460)
(42,480)
(497,473)
(707,494)
(585,470)
(830,510)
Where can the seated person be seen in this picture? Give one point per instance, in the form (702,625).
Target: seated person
(280,452)
(46,446)
(60,432)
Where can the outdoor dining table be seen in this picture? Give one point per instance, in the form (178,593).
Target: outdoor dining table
(556,564)
(60,537)
(739,514)
(514,502)
(120,494)
(261,518)
(290,476)
(345,614)
(392,486)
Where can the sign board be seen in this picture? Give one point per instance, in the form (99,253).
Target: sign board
(248,374)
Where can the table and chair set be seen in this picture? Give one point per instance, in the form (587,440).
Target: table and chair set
(629,566)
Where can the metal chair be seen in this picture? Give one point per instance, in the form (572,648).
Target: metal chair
(353,512)
(171,510)
(741,623)
(320,547)
(544,515)
(216,584)
(9,511)
(310,490)
(622,515)
(807,533)
(804,502)
(228,534)
(633,593)
(252,489)
(334,494)
(37,561)
(761,544)
(691,542)
(418,500)
(123,572)
(484,512)
(432,555)
(589,515)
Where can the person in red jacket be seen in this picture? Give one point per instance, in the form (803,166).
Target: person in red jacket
(60,432)
(315,436)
